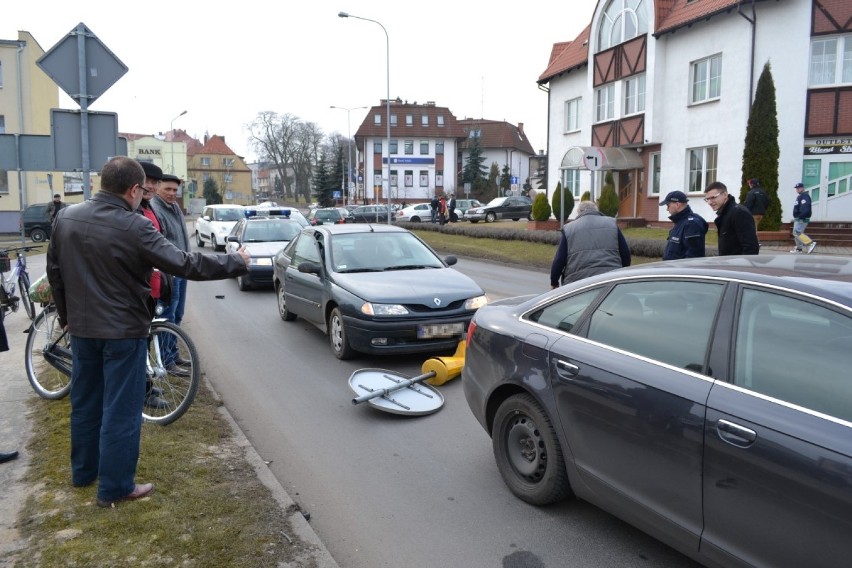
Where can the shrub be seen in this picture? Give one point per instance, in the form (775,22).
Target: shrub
(556,201)
(586,196)
(540,208)
(608,203)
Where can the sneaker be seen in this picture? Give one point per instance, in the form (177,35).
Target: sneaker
(156,402)
(796,251)
(139,492)
(178,371)
(811,247)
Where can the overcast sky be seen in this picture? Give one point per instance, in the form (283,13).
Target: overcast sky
(225,63)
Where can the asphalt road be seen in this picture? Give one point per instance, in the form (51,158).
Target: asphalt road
(384,490)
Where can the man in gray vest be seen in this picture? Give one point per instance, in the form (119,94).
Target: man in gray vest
(591,244)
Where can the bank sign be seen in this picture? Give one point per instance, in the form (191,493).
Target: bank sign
(822,146)
(412,161)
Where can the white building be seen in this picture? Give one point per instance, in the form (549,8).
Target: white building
(664,90)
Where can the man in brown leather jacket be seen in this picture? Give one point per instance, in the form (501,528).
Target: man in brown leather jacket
(99,265)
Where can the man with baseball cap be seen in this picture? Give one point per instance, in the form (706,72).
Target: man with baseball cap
(801,218)
(686,238)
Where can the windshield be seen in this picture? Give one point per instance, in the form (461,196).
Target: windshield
(272,230)
(227,214)
(375,252)
(497,201)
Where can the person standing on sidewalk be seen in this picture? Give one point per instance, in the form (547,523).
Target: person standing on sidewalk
(54,207)
(801,218)
(756,201)
(737,234)
(686,238)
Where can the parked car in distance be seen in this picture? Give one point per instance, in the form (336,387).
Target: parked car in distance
(328,216)
(513,207)
(215,224)
(36,222)
(416,213)
(371,214)
(374,289)
(263,237)
(462,205)
(706,401)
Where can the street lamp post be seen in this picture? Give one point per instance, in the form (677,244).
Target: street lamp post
(349,134)
(172,141)
(387,101)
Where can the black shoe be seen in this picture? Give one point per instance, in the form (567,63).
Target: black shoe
(8,456)
(178,371)
(154,401)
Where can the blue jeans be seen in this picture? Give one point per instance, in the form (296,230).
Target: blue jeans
(802,240)
(173,313)
(107,391)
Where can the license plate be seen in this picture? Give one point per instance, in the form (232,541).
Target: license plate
(439,330)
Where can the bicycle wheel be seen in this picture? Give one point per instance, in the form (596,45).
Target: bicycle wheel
(174,386)
(24,287)
(48,356)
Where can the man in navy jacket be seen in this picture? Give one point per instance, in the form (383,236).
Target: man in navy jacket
(686,238)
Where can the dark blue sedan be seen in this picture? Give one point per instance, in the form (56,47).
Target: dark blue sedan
(707,402)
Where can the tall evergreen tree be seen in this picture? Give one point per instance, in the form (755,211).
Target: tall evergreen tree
(323,183)
(474,171)
(761,152)
(505,180)
(211,192)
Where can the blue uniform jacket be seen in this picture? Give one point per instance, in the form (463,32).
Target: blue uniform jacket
(686,238)
(802,208)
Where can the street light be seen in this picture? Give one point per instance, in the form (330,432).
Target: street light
(172,141)
(349,131)
(387,119)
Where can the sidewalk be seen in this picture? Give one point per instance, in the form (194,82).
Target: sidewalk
(16,430)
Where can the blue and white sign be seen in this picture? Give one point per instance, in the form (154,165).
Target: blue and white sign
(404,160)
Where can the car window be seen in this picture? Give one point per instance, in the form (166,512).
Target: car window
(305,250)
(795,350)
(666,321)
(565,313)
(227,214)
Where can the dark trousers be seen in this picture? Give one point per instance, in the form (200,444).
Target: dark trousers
(107,390)
(173,312)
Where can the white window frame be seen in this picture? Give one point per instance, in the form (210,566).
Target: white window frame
(572,114)
(634,94)
(621,21)
(655,167)
(377,118)
(440,119)
(605,103)
(830,67)
(424,120)
(409,178)
(409,120)
(705,79)
(702,167)
(205,161)
(424,178)
(571,182)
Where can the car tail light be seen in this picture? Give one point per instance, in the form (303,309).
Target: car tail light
(470,329)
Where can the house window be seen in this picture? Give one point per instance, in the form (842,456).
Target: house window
(706,83)
(439,178)
(572,115)
(229,178)
(474,133)
(831,61)
(393,179)
(204,178)
(393,146)
(409,147)
(393,120)
(440,119)
(424,178)
(634,95)
(409,178)
(205,161)
(605,103)
(622,20)
(228,162)
(377,119)
(377,147)
(424,120)
(702,168)
(439,147)
(424,147)
(409,120)
(655,164)
(571,182)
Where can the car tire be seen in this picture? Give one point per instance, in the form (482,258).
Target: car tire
(285,314)
(337,336)
(38,235)
(474,220)
(529,216)
(490,217)
(516,218)
(243,283)
(527,451)
(198,240)
(415,219)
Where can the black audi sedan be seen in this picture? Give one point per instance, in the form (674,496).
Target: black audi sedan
(374,289)
(707,402)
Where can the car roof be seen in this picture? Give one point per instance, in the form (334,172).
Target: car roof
(225,206)
(357,228)
(827,276)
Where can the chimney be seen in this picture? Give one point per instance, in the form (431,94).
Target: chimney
(521,128)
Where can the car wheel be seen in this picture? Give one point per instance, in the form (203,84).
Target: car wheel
(527,451)
(285,314)
(38,235)
(198,240)
(490,217)
(474,220)
(516,218)
(415,219)
(213,244)
(337,336)
(243,283)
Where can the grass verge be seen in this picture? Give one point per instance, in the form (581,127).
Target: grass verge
(209,507)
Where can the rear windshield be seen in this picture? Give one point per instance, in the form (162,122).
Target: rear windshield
(227,214)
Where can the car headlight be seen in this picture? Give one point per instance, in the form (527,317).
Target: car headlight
(371,309)
(476,303)
(261,260)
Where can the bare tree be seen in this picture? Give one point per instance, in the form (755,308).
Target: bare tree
(272,139)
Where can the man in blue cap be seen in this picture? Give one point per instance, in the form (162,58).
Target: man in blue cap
(686,238)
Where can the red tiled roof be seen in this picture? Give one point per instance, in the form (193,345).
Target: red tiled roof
(450,129)
(685,12)
(497,134)
(567,55)
(215,145)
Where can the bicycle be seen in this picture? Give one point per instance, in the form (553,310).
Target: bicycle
(48,363)
(18,281)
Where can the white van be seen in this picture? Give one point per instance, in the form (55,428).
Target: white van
(215,223)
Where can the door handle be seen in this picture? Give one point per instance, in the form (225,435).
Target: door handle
(566,370)
(735,434)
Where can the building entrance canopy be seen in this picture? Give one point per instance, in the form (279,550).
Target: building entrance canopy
(613,158)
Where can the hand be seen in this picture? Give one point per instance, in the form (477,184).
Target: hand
(244,253)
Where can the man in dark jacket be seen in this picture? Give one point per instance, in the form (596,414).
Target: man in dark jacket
(99,266)
(737,234)
(686,238)
(801,218)
(756,201)
(54,207)
(590,244)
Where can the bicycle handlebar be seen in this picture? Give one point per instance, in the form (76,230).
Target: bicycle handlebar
(23,248)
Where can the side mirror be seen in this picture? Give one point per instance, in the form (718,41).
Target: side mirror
(233,240)
(310,268)
(451,260)
(206,217)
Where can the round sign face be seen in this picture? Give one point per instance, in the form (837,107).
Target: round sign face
(593,159)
